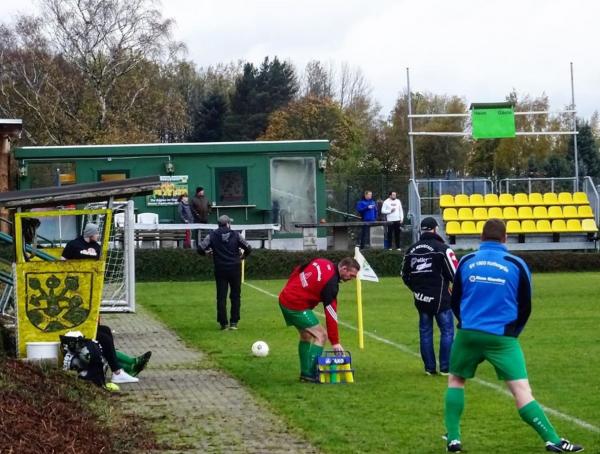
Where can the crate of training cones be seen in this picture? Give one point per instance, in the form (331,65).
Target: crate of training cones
(335,367)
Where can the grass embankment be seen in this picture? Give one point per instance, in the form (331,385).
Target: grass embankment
(393,406)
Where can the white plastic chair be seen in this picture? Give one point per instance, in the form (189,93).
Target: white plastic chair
(148,218)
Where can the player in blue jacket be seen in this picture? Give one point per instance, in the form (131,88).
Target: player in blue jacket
(367,208)
(491,300)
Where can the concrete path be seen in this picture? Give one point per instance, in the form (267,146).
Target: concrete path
(194,407)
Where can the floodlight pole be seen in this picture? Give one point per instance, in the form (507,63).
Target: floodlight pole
(574,131)
(410,128)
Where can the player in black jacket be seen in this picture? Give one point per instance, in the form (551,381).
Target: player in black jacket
(428,270)
(224,245)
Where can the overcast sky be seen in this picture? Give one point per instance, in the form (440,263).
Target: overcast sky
(473,48)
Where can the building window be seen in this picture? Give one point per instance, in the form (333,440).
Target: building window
(293,192)
(232,186)
(113,175)
(47,174)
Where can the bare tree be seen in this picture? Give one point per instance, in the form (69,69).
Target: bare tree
(319,80)
(353,86)
(107,39)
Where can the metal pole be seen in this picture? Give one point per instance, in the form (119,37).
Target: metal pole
(574,131)
(410,128)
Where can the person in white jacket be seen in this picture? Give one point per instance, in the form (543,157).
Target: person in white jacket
(392,208)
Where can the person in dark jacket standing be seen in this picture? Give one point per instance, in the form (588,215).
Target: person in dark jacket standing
(201,208)
(224,245)
(428,270)
(367,208)
(187,217)
(491,300)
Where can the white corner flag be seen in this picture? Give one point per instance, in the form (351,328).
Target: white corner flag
(366,273)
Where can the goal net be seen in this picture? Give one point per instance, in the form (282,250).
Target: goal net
(119,278)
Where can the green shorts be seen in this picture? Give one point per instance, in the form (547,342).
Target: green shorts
(473,347)
(300,319)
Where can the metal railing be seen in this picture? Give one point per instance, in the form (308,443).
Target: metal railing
(414,208)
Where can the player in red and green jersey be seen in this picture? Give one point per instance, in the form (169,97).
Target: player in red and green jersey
(308,285)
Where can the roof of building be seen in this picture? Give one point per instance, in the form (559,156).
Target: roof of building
(150,149)
(79,193)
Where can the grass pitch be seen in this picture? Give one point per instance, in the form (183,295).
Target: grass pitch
(392,406)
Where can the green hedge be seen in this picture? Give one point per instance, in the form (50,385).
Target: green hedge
(187,265)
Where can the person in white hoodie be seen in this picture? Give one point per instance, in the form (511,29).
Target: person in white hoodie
(392,208)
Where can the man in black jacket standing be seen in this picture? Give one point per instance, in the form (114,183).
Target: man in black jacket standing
(428,269)
(224,245)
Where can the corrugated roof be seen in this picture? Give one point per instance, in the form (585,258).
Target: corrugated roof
(79,193)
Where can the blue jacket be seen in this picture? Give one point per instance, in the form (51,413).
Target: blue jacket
(492,291)
(366,213)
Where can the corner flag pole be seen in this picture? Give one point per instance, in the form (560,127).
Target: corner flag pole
(361,337)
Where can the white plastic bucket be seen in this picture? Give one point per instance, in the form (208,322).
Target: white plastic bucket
(46,351)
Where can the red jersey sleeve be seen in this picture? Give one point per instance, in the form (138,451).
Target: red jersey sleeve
(332,322)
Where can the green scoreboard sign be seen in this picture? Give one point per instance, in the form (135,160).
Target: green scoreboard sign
(493,121)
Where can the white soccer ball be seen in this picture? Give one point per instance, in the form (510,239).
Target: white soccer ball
(260,348)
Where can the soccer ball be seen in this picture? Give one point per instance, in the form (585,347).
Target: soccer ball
(260,348)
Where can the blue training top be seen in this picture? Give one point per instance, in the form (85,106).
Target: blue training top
(492,291)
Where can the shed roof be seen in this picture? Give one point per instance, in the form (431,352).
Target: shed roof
(150,149)
(79,193)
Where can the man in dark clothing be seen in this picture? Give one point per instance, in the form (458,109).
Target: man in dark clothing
(224,245)
(309,284)
(201,208)
(428,269)
(85,246)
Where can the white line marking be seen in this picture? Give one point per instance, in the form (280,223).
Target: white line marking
(408,350)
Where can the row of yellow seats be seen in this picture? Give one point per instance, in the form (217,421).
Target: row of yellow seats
(519,199)
(527,226)
(539,212)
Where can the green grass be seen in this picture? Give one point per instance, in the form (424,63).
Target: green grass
(393,406)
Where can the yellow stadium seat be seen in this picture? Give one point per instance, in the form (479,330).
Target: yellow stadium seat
(565,198)
(450,214)
(506,200)
(461,200)
(589,225)
(550,198)
(543,226)
(535,198)
(580,198)
(476,200)
(525,213)
(479,226)
(510,213)
(585,211)
(491,200)
(480,214)
(495,212)
(453,228)
(528,226)
(468,228)
(574,225)
(521,199)
(558,225)
(465,214)
(446,200)
(513,227)
(540,213)
(555,212)
(570,212)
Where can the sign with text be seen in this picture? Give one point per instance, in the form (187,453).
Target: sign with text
(171,187)
(493,122)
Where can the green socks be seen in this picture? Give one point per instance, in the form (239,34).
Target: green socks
(533,415)
(308,353)
(126,361)
(455,404)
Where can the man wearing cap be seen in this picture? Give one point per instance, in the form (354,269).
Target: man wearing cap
(228,248)
(85,246)
(428,269)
